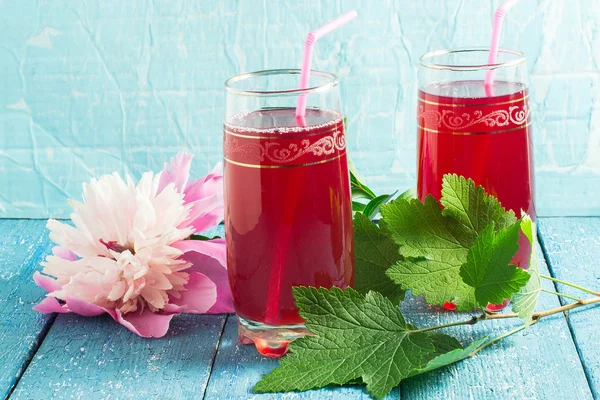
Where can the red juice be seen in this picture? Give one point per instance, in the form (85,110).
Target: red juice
(288,216)
(487,139)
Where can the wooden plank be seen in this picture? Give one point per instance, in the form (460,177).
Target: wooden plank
(95,358)
(572,246)
(539,363)
(98,358)
(23,244)
(238,367)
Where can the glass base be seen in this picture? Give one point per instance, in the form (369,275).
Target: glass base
(270,340)
(494,308)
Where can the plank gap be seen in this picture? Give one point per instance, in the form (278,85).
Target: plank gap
(504,371)
(23,245)
(214,358)
(565,314)
(36,346)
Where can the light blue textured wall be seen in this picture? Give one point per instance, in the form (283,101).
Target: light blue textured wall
(87,87)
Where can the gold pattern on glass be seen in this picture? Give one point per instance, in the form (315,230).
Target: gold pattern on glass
(474,105)
(280,136)
(285,166)
(476,133)
(451,119)
(277,152)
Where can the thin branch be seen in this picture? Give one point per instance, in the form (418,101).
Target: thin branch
(571,285)
(536,316)
(562,295)
(472,321)
(504,335)
(541,314)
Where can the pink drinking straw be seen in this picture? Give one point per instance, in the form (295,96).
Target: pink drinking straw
(496,30)
(287,218)
(311,39)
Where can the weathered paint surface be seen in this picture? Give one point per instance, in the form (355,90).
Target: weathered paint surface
(23,244)
(573,252)
(91,87)
(200,357)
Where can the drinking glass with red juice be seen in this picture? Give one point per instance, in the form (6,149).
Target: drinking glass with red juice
(288,217)
(480,134)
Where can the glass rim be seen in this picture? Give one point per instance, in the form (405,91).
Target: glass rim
(425,62)
(230,88)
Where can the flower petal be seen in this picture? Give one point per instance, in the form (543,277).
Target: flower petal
(205,196)
(50,305)
(205,187)
(208,220)
(215,248)
(145,324)
(179,172)
(64,253)
(83,307)
(209,257)
(70,237)
(45,282)
(200,294)
(173,309)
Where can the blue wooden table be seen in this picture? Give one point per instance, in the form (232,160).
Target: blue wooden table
(68,356)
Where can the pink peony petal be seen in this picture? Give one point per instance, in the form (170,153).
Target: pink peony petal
(204,213)
(209,257)
(173,309)
(50,305)
(179,172)
(46,283)
(215,249)
(64,253)
(215,173)
(208,220)
(83,307)
(206,198)
(145,324)
(200,294)
(210,185)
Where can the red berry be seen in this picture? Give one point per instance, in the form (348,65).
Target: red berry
(267,349)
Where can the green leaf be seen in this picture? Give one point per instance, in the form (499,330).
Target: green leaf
(356,336)
(528,227)
(408,194)
(202,237)
(360,190)
(488,269)
(443,343)
(435,242)
(524,302)
(360,193)
(372,208)
(432,253)
(358,206)
(374,253)
(471,207)
(451,356)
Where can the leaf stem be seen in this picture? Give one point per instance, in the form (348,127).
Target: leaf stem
(504,335)
(562,295)
(472,321)
(535,317)
(570,284)
(202,237)
(541,314)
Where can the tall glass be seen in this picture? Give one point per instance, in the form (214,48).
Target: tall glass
(288,217)
(484,136)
